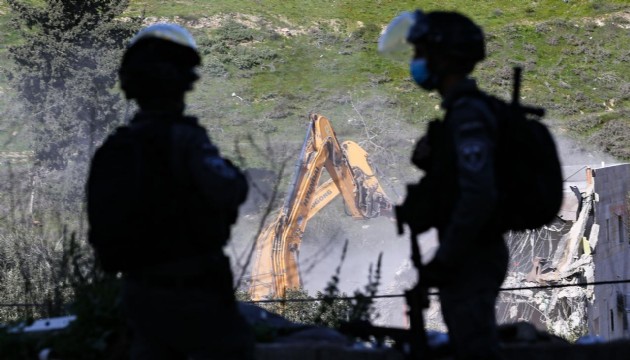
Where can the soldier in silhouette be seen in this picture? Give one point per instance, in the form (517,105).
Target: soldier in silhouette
(459,193)
(161,201)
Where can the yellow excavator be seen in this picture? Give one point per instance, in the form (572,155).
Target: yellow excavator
(275,264)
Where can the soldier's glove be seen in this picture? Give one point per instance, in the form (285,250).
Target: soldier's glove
(426,146)
(416,210)
(436,274)
(421,155)
(240,177)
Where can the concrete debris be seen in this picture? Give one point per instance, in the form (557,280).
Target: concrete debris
(561,311)
(569,244)
(567,260)
(593,236)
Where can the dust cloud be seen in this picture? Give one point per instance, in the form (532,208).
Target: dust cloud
(325,235)
(579,153)
(322,246)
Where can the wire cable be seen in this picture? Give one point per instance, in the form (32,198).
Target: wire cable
(572,175)
(436,293)
(389,296)
(22,305)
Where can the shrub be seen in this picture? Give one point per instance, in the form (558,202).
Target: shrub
(55,269)
(214,67)
(553,40)
(530,48)
(585,124)
(614,137)
(235,33)
(247,58)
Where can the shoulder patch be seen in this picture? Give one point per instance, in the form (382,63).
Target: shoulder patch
(473,154)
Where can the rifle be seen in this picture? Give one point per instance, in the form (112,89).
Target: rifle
(516,96)
(412,342)
(417,297)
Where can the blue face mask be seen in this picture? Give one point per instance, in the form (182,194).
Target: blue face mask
(421,74)
(419,71)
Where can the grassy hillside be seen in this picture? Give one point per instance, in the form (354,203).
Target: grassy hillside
(268,63)
(285,58)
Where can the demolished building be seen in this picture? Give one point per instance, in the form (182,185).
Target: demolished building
(587,243)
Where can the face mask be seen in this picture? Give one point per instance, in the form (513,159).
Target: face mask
(419,71)
(421,75)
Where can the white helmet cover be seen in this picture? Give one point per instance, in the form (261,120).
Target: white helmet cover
(394,39)
(166,31)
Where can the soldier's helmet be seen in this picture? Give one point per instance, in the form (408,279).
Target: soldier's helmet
(160,60)
(448,33)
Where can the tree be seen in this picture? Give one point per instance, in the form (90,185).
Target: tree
(66,75)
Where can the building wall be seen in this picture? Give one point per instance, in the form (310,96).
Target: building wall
(608,316)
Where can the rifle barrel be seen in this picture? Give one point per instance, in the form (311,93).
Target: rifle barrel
(516,91)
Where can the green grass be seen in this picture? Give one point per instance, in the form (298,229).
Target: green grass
(487,12)
(573,67)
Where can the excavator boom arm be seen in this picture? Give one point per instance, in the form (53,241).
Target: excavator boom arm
(276,266)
